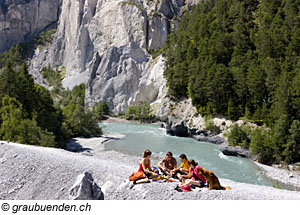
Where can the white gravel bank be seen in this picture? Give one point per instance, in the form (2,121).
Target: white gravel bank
(283,176)
(30,172)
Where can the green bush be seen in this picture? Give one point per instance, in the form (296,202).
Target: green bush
(45,38)
(210,126)
(14,54)
(11,114)
(31,134)
(239,136)
(81,123)
(279,144)
(141,112)
(53,77)
(131,112)
(16,128)
(261,141)
(99,110)
(292,146)
(155,52)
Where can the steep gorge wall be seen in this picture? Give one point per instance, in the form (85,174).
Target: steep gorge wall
(105,44)
(23,20)
(102,43)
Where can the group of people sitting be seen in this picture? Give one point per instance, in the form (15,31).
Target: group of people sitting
(188,172)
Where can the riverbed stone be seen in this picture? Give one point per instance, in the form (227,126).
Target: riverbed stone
(211,139)
(179,129)
(85,188)
(235,151)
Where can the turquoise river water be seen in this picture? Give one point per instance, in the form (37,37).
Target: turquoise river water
(147,136)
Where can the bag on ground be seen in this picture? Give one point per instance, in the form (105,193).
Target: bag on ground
(136,175)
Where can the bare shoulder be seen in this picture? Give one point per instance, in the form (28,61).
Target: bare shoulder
(145,161)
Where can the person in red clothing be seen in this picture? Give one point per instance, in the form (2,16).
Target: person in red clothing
(169,162)
(193,178)
(145,166)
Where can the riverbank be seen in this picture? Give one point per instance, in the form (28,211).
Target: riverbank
(284,177)
(273,174)
(183,120)
(118,120)
(91,146)
(31,172)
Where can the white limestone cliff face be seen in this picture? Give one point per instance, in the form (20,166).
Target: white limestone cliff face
(152,85)
(158,30)
(105,43)
(21,21)
(102,43)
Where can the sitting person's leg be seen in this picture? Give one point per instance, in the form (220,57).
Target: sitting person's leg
(180,173)
(185,181)
(153,175)
(198,183)
(143,180)
(164,172)
(173,174)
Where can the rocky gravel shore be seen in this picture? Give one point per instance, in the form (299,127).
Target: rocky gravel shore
(283,177)
(31,172)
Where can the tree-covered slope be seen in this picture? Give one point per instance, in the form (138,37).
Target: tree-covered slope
(241,59)
(31,114)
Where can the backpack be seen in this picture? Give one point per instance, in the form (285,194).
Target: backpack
(136,175)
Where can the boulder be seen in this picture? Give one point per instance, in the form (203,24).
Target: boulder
(211,139)
(85,188)
(197,132)
(178,129)
(193,131)
(235,151)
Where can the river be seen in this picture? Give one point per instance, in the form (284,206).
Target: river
(148,136)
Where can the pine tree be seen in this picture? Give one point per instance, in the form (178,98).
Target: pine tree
(280,133)
(261,147)
(45,113)
(8,82)
(12,114)
(292,146)
(25,89)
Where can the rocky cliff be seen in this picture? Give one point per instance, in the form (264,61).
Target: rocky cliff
(102,43)
(23,20)
(106,43)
